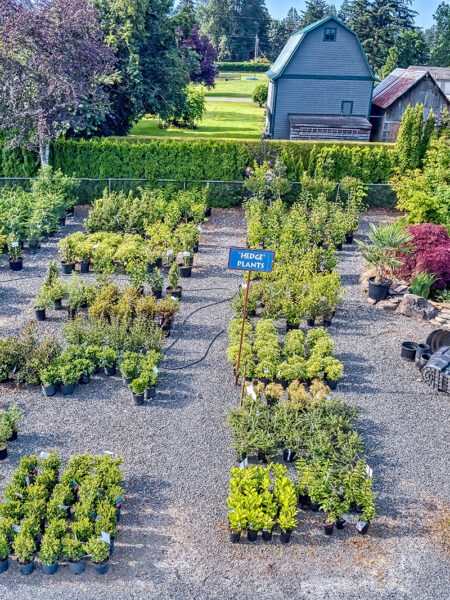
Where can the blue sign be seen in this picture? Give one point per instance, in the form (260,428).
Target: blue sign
(247,259)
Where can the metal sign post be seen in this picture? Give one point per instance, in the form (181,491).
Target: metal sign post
(246,259)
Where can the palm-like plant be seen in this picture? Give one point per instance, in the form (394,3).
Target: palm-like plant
(386,241)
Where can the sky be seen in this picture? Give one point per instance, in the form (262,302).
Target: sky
(426,8)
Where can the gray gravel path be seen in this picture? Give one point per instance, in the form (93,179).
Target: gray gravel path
(177,453)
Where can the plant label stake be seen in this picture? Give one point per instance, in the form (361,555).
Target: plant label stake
(245,259)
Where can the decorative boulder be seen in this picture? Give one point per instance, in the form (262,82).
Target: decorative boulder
(418,307)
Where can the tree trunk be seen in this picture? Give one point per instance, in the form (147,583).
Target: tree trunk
(44,153)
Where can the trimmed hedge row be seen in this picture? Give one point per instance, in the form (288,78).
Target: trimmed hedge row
(204,159)
(244,67)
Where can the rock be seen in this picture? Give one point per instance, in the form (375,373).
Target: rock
(387,305)
(399,289)
(370,301)
(418,307)
(440,320)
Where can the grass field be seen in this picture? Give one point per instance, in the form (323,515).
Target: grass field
(222,120)
(236,88)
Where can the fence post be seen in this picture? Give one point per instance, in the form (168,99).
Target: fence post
(184,185)
(337,191)
(109,186)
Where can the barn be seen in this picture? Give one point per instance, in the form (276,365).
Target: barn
(320,86)
(403,87)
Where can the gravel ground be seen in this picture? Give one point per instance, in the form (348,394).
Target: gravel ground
(173,540)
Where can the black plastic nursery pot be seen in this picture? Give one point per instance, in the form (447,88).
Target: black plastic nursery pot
(67,268)
(151,267)
(421,363)
(110,371)
(16,265)
(14,435)
(76,568)
(157,293)
(33,248)
(70,211)
(150,393)
(40,314)
(235,536)
(304,501)
(48,390)
(283,382)
(408,351)
(196,248)
(166,327)
(252,535)
(339,247)
(332,384)
(285,536)
(84,267)
(328,528)
(58,304)
(50,569)
(72,313)
(185,272)
(138,399)
(27,568)
(327,321)
(101,568)
(266,535)
(362,527)
(378,291)
(85,379)
(314,506)
(208,211)
(290,326)
(288,455)
(62,221)
(175,293)
(422,349)
(349,238)
(159,262)
(340,523)
(311,322)
(262,457)
(68,389)
(4,453)
(4,564)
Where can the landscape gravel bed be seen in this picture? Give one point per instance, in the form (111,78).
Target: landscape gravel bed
(173,539)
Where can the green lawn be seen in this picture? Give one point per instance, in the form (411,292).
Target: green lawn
(236,88)
(222,120)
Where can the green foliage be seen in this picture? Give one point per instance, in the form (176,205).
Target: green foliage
(50,549)
(260,94)
(24,547)
(421,283)
(5,550)
(71,549)
(193,110)
(98,550)
(244,67)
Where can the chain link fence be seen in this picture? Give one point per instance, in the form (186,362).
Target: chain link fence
(220,193)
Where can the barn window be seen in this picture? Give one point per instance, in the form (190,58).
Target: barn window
(329,35)
(346,107)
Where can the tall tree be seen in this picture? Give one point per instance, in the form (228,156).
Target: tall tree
(205,70)
(185,16)
(315,10)
(52,60)
(293,21)
(345,11)
(440,52)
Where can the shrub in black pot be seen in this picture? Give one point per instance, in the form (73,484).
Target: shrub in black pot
(5,551)
(174,289)
(50,379)
(138,387)
(349,238)
(72,550)
(24,549)
(49,553)
(108,360)
(99,552)
(70,375)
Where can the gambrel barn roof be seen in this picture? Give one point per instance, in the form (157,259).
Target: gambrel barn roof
(276,70)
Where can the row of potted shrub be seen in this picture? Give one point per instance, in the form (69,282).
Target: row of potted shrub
(57,516)
(263,498)
(300,359)
(28,217)
(9,427)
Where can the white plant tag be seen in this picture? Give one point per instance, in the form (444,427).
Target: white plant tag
(266,370)
(108,452)
(16,528)
(38,226)
(155,370)
(173,298)
(95,246)
(369,472)
(27,480)
(14,244)
(244,463)
(199,228)
(18,495)
(106,537)
(186,254)
(169,252)
(328,476)
(62,507)
(360,525)
(251,391)
(44,454)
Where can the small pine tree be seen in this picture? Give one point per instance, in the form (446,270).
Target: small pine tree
(444,124)
(403,144)
(313,155)
(428,132)
(416,136)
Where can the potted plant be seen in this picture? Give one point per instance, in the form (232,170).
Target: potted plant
(5,433)
(108,360)
(69,375)
(185,263)
(56,292)
(93,353)
(268,523)
(5,551)
(331,504)
(238,522)
(381,253)
(151,377)
(34,237)
(24,550)
(15,253)
(131,366)
(76,295)
(138,387)
(49,553)
(72,550)
(273,393)
(99,552)
(14,415)
(333,370)
(166,309)
(67,251)
(255,521)
(83,254)
(50,379)
(174,289)
(41,302)
(156,281)
(86,368)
